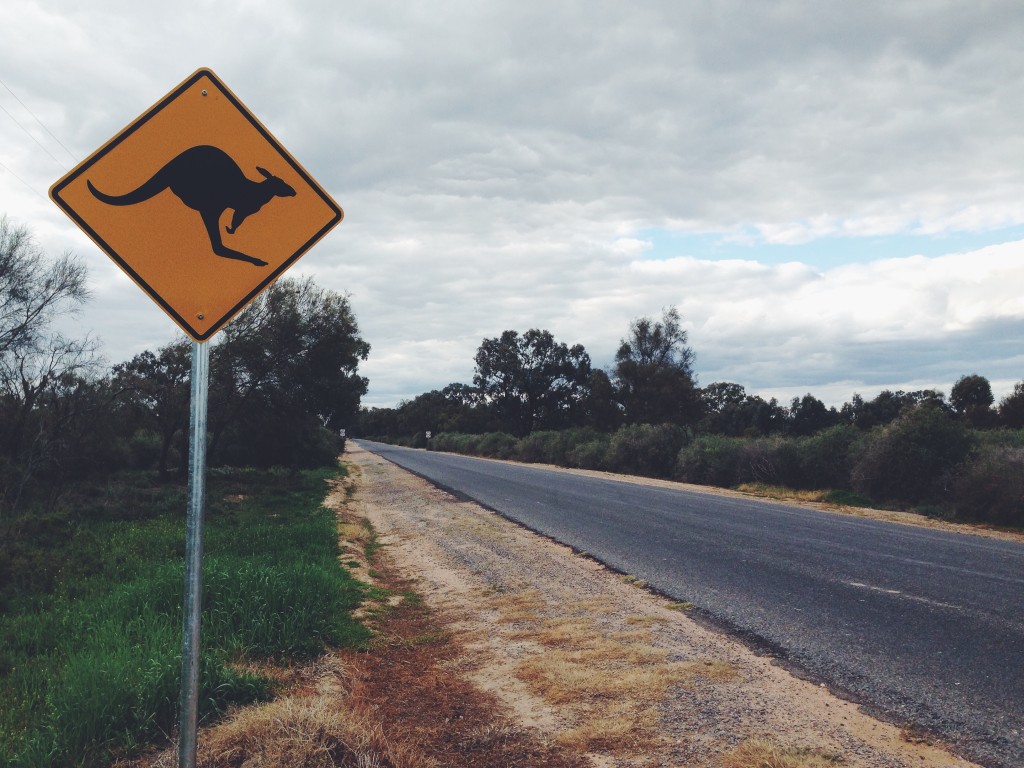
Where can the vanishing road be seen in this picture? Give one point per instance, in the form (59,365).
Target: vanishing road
(926,626)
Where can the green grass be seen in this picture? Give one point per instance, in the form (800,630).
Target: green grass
(90,657)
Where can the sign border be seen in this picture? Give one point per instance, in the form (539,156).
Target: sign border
(145,117)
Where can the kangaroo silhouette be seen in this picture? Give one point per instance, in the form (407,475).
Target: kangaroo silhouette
(208,180)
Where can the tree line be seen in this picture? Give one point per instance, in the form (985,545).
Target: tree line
(537,399)
(283,380)
(527,382)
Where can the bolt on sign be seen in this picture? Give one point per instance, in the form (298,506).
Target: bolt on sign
(198,203)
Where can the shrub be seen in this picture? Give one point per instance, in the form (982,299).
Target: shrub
(543,447)
(711,460)
(824,460)
(589,454)
(497,445)
(990,487)
(912,459)
(643,449)
(772,461)
(142,450)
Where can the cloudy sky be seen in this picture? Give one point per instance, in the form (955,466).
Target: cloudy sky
(832,194)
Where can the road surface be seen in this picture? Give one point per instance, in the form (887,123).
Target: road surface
(923,625)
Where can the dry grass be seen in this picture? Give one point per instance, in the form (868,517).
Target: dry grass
(518,608)
(764,753)
(312,731)
(615,729)
(613,680)
(647,620)
(781,493)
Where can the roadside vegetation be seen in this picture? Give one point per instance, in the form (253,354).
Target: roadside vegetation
(93,460)
(91,657)
(536,400)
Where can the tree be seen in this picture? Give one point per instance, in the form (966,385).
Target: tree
(158,386)
(531,381)
(719,396)
(654,374)
(34,290)
(285,370)
(808,415)
(452,409)
(603,411)
(40,370)
(971,397)
(1011,408)
(887,406)
(913,459)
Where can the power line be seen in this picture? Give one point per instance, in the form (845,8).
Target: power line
(23,128)
(41,124)
(23,181)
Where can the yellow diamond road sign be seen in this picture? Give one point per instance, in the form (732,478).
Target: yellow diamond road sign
(198,203)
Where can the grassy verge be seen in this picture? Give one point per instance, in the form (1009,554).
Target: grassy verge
(90,656)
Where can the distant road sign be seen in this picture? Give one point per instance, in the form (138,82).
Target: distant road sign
(198,203)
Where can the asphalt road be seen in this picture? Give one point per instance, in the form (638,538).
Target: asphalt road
(924,626)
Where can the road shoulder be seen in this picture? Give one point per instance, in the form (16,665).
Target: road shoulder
(588,661)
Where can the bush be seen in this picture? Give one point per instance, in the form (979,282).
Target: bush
(543,447)
(990,487)
(142,450)
(497,445)
(825,460)
(643,449)
(453,442)
(912,460)
(772,461)
(589,454)
(711,460)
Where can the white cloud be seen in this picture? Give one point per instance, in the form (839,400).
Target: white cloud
(499,164)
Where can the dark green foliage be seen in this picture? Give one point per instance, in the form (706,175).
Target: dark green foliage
(1011,408)
(808,415)
(729,410)
(990,487)
(452,442)
(543,447)
(887,406)
(497,445)
(824,460)
(456,408)
(283,370)
(154,389)
(711,460)
(972,398)
(603,411)
(912,460)
(642,449)
(531,381)
(589,454)
(654,372)
(272,438)
(91,658)
(771,461)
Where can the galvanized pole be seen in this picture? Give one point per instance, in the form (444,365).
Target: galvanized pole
(194,555)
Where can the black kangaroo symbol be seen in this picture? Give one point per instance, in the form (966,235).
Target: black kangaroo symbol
(207,180)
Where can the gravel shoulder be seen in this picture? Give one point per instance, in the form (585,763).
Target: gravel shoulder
(592,662)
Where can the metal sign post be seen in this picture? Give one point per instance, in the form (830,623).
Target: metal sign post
(155,198)
(193,603)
